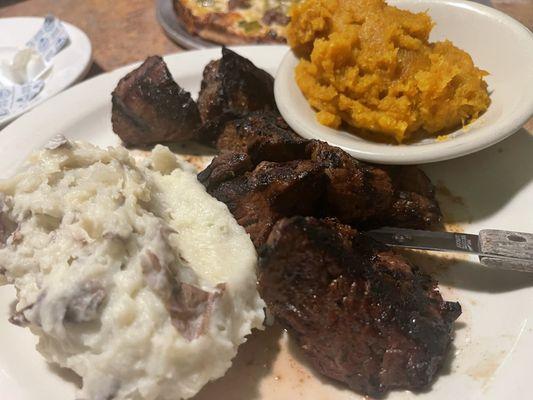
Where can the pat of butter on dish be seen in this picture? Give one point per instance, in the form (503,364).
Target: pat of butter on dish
(22,78)
(27,65)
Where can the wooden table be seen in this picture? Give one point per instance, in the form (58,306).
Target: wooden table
(124,31)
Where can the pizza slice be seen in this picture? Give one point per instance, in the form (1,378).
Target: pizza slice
(235,21)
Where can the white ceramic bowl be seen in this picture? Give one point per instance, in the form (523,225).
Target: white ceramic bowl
(497,44)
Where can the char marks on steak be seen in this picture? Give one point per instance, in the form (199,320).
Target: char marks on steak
(149,107)
(273,191)
(360,312)
(368,196)
(264,136)
(225,167)
(232,87)
(359,194)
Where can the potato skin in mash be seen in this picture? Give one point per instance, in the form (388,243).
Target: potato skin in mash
(371,66)
(129,272)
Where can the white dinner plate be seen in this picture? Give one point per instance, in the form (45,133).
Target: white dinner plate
(69,65)
(497,43)
(492,352)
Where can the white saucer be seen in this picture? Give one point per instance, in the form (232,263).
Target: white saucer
(69,65)
(497,44)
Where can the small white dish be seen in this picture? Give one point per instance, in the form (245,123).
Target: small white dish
(497,44)
(68,66)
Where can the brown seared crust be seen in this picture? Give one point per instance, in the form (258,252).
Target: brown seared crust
(210,98)
(362,195)
(265,136)
(217,27)
(410,179)
(149,107)
(232,87)
(357,193)
(225,167)
(368,196)
(259,198)
(360,312)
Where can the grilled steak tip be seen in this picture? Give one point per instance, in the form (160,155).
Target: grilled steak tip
(148,107)
(361,313)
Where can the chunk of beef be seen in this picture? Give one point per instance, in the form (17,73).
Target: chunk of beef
(362,195)
(265,136)
(361,313)
(271,191)
(412,210)
(368,196)
(149,107)
(414,203)
(231,87)
(410,179)
(225,167)
(357,193)
(210,97)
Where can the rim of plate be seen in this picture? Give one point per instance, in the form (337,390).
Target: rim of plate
(84,64)
(419,153)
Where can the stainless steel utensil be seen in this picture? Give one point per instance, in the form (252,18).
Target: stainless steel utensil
(495,248)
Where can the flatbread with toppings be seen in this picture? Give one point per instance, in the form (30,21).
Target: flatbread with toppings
(235,21)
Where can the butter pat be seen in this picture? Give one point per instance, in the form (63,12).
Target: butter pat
(27,65)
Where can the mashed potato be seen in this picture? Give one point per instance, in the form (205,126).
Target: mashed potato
(371,66)
(129,272)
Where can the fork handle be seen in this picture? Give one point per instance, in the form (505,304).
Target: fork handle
(506,250)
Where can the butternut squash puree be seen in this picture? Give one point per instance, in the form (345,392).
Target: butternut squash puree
(371,65)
